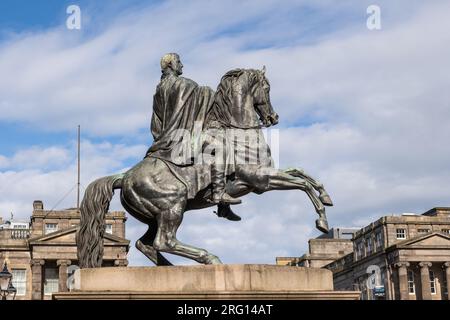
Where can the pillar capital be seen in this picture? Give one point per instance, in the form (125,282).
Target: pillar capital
(425,264)
(37,262)
(63,263)
(402,264)
(121,262)
(446,265)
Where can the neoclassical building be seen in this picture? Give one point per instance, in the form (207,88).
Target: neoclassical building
(403,257)
(324,249)
(41,253)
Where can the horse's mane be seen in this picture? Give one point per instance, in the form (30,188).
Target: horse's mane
(225,88)
(234,74)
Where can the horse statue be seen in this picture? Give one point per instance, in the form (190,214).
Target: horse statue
(153,192)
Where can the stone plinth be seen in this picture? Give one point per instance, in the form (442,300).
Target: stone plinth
(205,282)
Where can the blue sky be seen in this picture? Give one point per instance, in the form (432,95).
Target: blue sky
(361,110)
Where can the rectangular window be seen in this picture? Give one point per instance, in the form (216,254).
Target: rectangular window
(51,227)
(401,234)
(369,246)
(445,286)
(378,240)
(422,231)
(360,250)
(19,281)
(411,286)
(108,228)
(51,280)
(432,283)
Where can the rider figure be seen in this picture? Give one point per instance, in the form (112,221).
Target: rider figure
(218,167)
(171,67)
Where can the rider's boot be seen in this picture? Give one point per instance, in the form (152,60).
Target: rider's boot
(224,211)
(219,195)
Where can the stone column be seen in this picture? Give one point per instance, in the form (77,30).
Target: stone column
(120,263)
(62,282)
(36,279)
(425,280)
(403,279)
(447,277)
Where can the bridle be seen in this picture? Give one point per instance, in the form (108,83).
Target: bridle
(265,102)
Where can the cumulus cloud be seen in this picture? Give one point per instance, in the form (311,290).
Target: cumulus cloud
(38,173)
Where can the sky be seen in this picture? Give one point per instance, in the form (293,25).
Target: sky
(362,110)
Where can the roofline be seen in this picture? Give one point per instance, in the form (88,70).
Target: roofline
(435,209)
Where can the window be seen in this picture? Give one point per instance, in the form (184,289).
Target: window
(445,286)
(108,228)
(411,286)
(51,280)
(19,281)
(378,240)
(51,227)
(423,230)
(369,246)
(432,283)
(360,250)
(401,234)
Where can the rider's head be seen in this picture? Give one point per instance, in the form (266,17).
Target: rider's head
(171,61)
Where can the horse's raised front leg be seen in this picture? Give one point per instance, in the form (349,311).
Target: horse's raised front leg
(323,194)
(166,241)
(279,180)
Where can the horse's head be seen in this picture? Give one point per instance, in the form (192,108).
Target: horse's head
(261,99)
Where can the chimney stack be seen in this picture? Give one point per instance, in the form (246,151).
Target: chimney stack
(38,205)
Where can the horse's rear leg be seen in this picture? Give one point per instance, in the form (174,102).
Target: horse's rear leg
(323,194)
(166,241)
(145,245)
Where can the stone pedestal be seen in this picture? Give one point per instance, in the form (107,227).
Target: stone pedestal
(205,282)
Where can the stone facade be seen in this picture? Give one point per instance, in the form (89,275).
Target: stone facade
(42,257)
(324,249)
(399,257)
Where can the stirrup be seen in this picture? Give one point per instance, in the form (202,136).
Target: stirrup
(225,199)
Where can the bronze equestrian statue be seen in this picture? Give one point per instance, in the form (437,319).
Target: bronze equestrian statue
(200,157)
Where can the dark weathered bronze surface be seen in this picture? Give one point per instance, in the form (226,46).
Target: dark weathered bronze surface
(166,183)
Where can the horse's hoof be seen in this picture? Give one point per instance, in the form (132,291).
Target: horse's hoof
(326,200)
(214,260)
(322,225)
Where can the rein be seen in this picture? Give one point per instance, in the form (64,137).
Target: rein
(238,127)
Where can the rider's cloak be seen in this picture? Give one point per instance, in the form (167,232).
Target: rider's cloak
(180,107)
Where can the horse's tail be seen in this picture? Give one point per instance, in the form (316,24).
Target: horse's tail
(95,205)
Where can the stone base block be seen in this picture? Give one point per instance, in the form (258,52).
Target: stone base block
(205,282)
